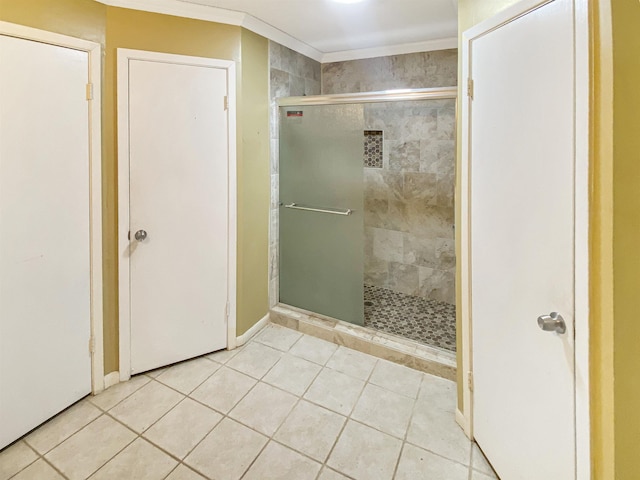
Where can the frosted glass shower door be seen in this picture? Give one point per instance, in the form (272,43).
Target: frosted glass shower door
(321,210)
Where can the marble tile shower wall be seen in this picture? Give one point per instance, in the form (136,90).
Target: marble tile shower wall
(291,74)
(412,70)
(409,209)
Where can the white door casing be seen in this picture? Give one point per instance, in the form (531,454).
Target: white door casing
(524,238)
(50,226)
(176,171)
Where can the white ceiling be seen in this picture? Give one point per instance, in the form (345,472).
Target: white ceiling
(329,26)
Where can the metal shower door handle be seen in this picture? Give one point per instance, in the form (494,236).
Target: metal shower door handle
(552,323)
(140,235)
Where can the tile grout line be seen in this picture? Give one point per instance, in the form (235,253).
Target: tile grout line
(271,438)
(300,399)
(106,414)
(259,380)
(140,435)
(55,468)
(344,424)
(42,456)
(406,432)
(438,454)
(49,462)
(368,382)
(28,434)
(348,417)
(172,470)
(385,433)
(185,396)
(38,457)
(426,449)
(204,357)
(226,415)
(475,451)
(45,460)
(471,461)
(137,435)
(124,398)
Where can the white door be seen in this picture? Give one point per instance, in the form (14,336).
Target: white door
(522,243)
(178,158)
(45,269)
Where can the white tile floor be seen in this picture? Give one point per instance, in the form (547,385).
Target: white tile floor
(284,407)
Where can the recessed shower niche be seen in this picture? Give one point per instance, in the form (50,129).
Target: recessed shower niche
(367,229)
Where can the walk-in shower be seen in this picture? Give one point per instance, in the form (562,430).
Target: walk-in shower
(366,225)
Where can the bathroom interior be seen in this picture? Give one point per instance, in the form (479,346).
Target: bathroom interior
(358,226)
(363,181)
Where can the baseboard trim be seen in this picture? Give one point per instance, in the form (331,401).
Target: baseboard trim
(249,334)
(464,423)
(111,379)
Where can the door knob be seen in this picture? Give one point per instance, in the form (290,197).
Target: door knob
(552,323)
(140,235)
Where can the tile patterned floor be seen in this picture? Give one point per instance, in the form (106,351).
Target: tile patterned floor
(284,407)
(426,321)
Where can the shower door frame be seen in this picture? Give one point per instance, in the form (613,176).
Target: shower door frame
(400,95)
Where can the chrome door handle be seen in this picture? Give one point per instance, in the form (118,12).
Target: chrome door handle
(552,323)
(140,235)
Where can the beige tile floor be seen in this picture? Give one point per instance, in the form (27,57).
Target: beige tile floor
(284,407)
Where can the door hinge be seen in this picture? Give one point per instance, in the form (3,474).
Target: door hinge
(89,91)
(92,345)
(226,102)
(470,88)
(226,310)
(470,380)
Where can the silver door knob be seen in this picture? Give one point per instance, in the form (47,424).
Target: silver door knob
(140,235)
(552,323)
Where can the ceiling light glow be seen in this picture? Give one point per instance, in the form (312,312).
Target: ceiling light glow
(348,1)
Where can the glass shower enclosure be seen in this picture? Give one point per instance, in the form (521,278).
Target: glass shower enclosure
(321,210)
(366,213)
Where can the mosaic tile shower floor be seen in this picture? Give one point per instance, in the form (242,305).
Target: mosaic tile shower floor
(426,321)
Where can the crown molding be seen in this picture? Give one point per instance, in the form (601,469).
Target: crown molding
(272,33)
(229,17)
(181,9)
(218,15)
(359,54)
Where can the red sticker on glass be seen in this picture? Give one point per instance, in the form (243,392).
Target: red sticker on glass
(295,113)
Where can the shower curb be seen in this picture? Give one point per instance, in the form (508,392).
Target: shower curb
(379,344)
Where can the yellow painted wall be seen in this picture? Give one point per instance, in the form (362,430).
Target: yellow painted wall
(472,12)
(626,234)
(161,33)
(77,18)
(601,248)
(123,28)
(254,193)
